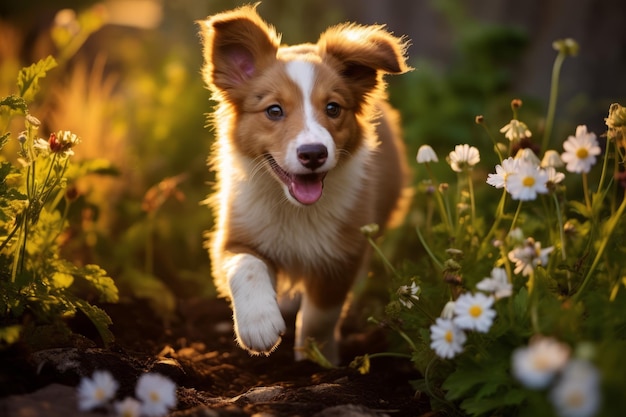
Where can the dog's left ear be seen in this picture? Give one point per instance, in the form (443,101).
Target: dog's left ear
(362,54)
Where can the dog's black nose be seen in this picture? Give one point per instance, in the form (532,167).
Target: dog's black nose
(312,155)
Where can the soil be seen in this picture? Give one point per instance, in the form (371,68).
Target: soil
(214,377)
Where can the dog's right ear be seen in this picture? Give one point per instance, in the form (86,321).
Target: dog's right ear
(237,45)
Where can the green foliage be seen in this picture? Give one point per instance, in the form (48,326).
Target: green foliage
(437,103)
(28,78)
(561,251)
(36,282)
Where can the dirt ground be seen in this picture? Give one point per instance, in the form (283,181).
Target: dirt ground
(214,377)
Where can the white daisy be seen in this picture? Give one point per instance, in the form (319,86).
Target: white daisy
(96,391)
(408,294)
(498,180)
(474,312)
(580,151)
(129,407)
(577,392)
(515,130)
(528,256)
(156,393)
(536,364)
(426,154)
(463,157)
(497,284)
(446,339)
(527,181)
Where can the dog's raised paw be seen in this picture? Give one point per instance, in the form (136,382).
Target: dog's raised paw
(260,331)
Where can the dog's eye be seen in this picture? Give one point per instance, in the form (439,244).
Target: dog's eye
(274,112)
(333,110)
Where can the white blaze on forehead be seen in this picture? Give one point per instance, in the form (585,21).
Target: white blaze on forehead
(303,74)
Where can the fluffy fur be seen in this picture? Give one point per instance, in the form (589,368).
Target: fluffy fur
(307,152)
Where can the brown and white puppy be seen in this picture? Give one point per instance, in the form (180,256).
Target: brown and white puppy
(307,152)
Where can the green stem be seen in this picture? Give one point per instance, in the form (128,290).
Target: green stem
(399,331)
(389,355)
(21,244)
(605,164)
(443,210)
(54,158)
(586,192)
(610,227)
(427,248)
(534,303)
(517,212)
(472,201)
(496,222)
(10,235)
(554,89)
(493,140)
(559,217)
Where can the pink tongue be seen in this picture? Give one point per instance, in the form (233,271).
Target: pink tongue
(307,189)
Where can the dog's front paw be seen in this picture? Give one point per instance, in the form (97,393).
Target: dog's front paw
(259,328)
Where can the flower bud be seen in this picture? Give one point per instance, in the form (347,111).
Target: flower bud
(370,229)
(33,121)
(551,159)
(568,46)
(617,116)
(426,154)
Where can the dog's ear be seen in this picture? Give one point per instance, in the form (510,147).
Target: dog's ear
(362,54)
(237,45)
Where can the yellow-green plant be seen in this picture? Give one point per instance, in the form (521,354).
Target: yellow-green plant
(37,285)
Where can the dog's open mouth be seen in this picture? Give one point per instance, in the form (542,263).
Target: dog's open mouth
(305,188)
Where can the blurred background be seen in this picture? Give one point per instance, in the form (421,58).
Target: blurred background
(128,83)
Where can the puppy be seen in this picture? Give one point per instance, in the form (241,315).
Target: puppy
(307,152)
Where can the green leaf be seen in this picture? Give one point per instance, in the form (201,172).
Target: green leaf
(580,208)
(61,280)
(103,283)
(28,78)
(520,304)
(98,317)
(460,382)
(3,141)
(14,103)
(477,406)
(149,287)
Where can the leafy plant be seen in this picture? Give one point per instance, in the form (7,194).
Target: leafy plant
(37,285)
(522,305)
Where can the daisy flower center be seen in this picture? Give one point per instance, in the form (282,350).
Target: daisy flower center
(541,363)
(528,181)
(154,396)
(575,399)
(582,153)
(449,337)
(475,311)
(99,395)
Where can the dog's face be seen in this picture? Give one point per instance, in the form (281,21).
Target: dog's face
(297,110)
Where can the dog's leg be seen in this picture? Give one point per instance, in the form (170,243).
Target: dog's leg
(320,324)
(258,321)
